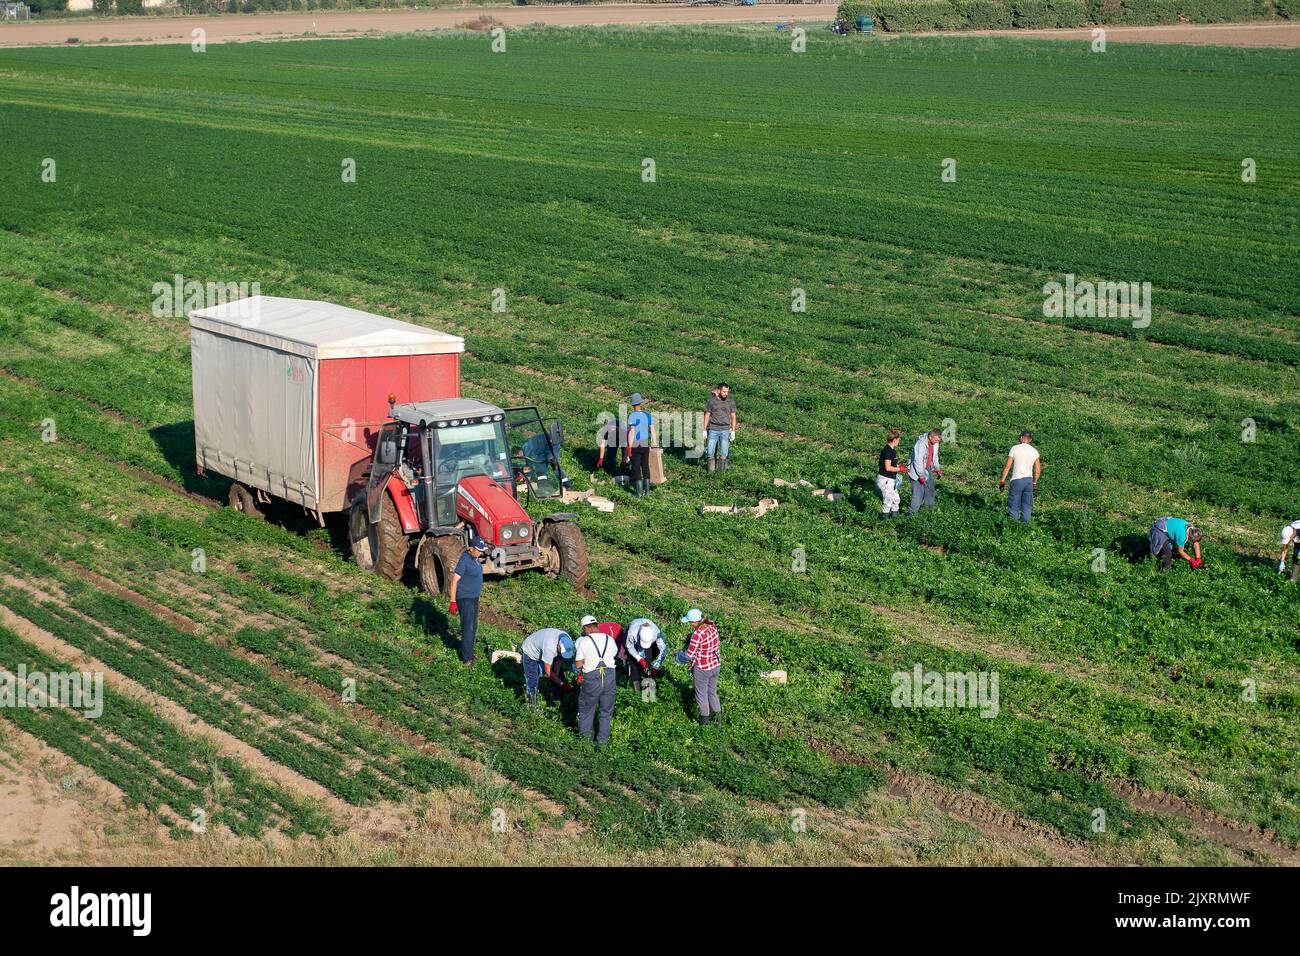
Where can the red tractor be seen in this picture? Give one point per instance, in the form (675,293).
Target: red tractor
(336,410)
(444,468)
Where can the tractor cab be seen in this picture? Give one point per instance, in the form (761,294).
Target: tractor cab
(446,468)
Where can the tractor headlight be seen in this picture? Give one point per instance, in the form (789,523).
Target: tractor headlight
(523,532)
(507,534)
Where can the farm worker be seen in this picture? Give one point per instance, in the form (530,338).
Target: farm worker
(889,475)
(923,469)
(1174,534)
(539,651)
(611,439)
(646,649)
(589,625)
(641,436)
(1026,467)
(720,414)
(466,586)
(1290,537)
(596,655)
(703,656)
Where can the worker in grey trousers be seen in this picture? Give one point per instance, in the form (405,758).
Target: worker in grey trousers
(595,654)
(924,469)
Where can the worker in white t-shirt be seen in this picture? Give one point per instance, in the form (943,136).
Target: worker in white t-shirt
(1290,539)
(1025,468)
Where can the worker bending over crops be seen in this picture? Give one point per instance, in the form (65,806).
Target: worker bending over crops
(924,470)
(539,651)
(889,476)
(596,655)
(705,659)
(1290,538)
(645,650)
(466,586)
(640,437)
(720,413)
(1174,534)
(1026,467)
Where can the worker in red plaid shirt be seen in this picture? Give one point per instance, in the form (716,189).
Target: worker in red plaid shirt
(705,661)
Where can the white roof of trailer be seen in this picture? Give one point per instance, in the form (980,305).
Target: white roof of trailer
(320,330)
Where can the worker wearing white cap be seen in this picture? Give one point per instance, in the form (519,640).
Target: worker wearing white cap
(646,649)
(596,654)
(705,659)
(1290,539)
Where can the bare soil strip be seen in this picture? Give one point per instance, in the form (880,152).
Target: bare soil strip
(345,23)
(283,26)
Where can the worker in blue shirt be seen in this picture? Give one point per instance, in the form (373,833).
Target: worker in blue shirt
(1175,534)
(641,437)
(466,586)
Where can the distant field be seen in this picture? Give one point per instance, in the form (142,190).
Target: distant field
(1121,689)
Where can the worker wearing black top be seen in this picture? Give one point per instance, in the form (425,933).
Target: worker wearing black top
(887,476)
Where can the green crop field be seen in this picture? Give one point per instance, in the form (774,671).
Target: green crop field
(1143,717)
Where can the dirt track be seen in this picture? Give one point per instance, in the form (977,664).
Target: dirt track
(279,26)
(334,23)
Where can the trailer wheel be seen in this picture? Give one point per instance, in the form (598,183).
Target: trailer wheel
(241,499)
(436,562)
(379,547)
(566,552)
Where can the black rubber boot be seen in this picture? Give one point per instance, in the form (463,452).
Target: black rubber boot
(713,465)
(704,721)
(724,464)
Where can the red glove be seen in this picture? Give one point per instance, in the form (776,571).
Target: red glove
(1195,562)
(577,679)
(600,460)
(452,607)
(921,480)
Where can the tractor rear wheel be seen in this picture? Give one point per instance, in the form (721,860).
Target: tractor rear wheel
(381,546)
(437,560)
(566,552)
(242,499)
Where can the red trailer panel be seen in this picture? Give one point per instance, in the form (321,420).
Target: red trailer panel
(354,396)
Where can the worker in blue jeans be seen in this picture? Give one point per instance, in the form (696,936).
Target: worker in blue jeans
(466,586)
(544,652)
(1025,466)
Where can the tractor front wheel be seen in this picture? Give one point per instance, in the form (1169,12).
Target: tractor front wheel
(242,499)
(566,552)
(437,560)
(380,546)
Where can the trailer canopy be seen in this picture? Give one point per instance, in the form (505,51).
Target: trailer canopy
(320,330)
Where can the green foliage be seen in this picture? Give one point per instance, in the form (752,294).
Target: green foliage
(920,310)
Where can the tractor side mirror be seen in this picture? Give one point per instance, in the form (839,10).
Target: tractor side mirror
(388,452)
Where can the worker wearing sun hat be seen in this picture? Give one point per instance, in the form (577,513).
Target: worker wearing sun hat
(595,656)
(539,651)
(646,649)
(703,655)
(641,437)
(1290,540)
(466,586)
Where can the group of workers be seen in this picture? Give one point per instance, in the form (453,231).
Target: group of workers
(629,440)
(1023,467)
(590,665)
